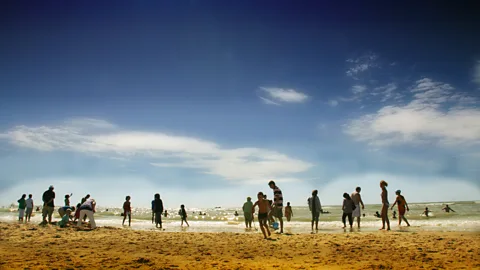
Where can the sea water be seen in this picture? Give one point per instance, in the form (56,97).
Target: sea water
(465,218)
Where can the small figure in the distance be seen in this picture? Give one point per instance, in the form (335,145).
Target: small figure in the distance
(288,212)
(377,215)
(183,215)
(426,212)
(127,211)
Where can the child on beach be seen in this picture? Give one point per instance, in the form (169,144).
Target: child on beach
(65,219)
(288,212)
(22,204)
(127,210)
(29,204)
(263,209)
(347,207)
(77,212)
(165,214)
(183,215)
(67,199)
(402,206)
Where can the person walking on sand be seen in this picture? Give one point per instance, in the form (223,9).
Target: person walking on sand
(48,204)
(278,202)
(127,211)
(357,200)
(315,207)
(88,209)
(288,212)
(247,212)
(263,208)
(385,205)
(183,215)
(158,210)
(22,204)
(348,207)
(30,206)
(402,207)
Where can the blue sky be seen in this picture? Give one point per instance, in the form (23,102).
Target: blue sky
(205,102)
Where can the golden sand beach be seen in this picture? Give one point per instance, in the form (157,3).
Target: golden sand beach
(38,247)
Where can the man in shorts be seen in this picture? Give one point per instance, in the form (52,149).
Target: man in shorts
(357,200)
(278,203)
(48,204)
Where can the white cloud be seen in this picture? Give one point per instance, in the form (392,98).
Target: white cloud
(357,89)
(361,64)
(237,164)
(269,102)
(333,103)
(422,120)
(280,95)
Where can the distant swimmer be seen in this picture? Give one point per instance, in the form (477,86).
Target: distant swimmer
(377,215)
(447,209)
(236,213)
(426,212)
(394,214)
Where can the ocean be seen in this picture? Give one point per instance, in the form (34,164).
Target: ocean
(466,218)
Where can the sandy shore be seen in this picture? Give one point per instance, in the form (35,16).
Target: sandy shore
(38,247)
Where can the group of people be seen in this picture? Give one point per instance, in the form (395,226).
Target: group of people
(267,209)
(84,209)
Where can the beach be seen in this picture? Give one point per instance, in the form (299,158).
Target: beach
(49,247)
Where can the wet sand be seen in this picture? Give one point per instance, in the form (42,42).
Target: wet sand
(49,247)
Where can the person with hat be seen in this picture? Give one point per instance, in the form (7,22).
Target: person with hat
(402,206)
(247,212)
(48,204)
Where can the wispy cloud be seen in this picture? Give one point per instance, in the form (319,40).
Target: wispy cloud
(357,89)
(427,118)
(281,95)
(387,92)
(361,64)
(269,102)
(159,149)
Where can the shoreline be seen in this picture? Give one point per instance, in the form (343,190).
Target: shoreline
(47,247)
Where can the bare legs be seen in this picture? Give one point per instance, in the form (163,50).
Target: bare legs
(264,227)
(385,217)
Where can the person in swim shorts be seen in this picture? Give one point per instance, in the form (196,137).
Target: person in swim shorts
(263,208)
(402,206)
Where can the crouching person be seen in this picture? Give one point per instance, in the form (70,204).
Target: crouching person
(88,209)
(65,221)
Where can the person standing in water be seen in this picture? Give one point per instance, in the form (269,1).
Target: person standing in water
(288,212)
(347,207)
(247,212)
(158,210)
(426,212)
(385,205)
(402,207)
(447,209)
(30,206)
(127,211)
(315,207)
(22,204)
(357,200)
(183,215)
